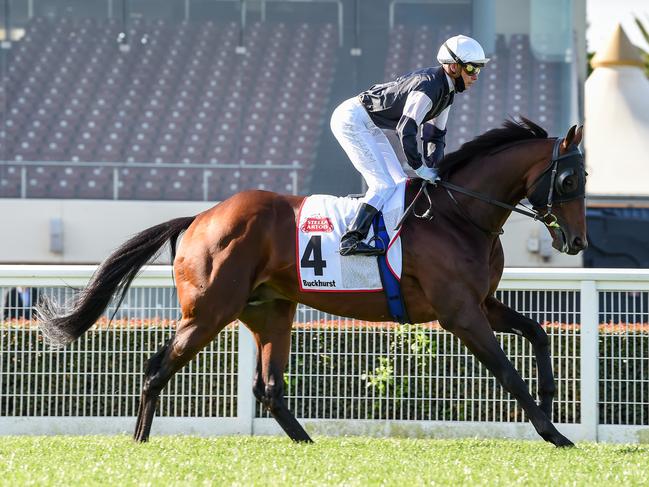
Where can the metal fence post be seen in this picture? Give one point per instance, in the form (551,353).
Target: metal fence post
(247,358)
(589,359)
(23,182)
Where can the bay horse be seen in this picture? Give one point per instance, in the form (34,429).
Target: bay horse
(237,260)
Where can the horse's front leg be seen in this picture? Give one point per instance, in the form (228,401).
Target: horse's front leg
(470,325)
(504,319)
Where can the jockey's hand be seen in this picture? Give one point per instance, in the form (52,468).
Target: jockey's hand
(427,173)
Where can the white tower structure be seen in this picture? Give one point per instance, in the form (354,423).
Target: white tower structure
(617,121)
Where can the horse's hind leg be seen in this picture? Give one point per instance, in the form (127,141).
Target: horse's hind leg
(504,319)
(470,325)
(148,396)
(270,324)
(190,338)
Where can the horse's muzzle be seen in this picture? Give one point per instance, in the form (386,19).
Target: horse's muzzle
(577,245)
(568,245)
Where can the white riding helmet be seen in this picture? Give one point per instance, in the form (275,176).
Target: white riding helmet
(464,49)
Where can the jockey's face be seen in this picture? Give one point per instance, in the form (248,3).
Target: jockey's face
(469,79)
(455,71)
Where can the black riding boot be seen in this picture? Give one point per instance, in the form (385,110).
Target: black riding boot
(352,241)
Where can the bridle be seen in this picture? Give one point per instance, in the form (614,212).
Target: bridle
(557,180)
(556,184)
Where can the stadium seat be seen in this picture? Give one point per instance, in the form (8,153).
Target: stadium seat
(10,181)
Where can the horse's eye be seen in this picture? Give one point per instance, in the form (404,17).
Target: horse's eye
(567,182)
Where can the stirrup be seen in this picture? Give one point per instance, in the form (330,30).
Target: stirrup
(361,248)
(351,243)
(364,249)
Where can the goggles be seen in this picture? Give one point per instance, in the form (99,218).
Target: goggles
(470,68)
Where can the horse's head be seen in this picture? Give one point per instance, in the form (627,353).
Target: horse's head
(557,191)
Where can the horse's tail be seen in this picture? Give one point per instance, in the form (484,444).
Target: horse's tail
(61,325)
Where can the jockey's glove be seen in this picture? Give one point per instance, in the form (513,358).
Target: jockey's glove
(427,173)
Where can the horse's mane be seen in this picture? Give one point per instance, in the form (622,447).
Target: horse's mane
(490,141)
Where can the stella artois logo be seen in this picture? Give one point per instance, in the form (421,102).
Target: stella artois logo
(317,223)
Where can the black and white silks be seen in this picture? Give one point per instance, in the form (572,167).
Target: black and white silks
(421,97)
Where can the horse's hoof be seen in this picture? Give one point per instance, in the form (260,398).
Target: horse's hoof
(302,439)
(557,439)
(563,442)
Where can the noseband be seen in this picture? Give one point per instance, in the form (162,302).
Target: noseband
(563,180)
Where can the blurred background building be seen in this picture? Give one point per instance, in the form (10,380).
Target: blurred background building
(118,114)
(617,145)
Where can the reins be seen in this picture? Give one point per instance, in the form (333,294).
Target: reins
(547,217)
(428,215)
(479,196)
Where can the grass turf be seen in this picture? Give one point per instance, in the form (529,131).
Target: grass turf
(117,460)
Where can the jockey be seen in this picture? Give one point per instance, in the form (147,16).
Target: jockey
(419,99)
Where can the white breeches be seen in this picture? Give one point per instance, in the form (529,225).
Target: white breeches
(369,150)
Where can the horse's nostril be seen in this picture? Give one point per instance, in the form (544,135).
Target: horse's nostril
(579,243)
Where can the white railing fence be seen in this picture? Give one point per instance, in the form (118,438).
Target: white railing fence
(344,376)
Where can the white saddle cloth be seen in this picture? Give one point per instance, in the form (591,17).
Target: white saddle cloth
(321,222)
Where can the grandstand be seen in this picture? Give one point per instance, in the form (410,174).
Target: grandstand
(197,109)
(172,100)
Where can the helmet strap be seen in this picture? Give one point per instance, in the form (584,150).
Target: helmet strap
(459,84)
(458,81)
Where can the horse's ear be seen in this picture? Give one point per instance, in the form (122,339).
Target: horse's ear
(579,134)
(569,137)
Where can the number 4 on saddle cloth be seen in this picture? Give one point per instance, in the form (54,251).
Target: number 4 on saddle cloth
(321,222)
